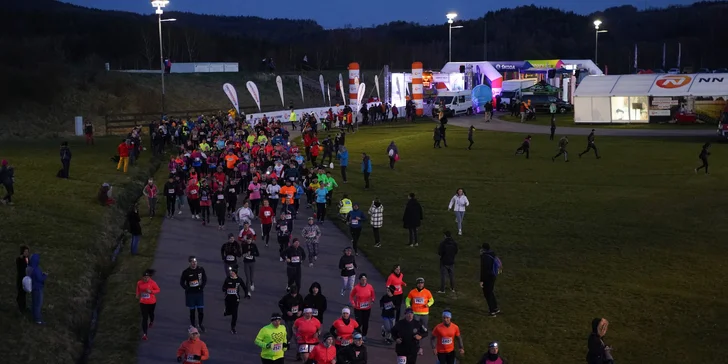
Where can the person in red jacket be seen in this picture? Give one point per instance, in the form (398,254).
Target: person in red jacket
(314,153)
(323,353)
(146,291)
(267,215)
(193,198)
(362,299)
(192,350)
(123,151)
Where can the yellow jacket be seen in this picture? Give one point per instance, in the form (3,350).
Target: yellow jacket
(345,206)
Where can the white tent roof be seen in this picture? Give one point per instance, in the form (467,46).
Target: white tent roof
(704,84)
(485,67)
(584,63)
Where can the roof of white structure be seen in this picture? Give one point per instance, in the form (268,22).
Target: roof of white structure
(703,84)
(485,67)
(594,70)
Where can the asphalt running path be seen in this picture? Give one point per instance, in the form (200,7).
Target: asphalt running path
(182,237)
(524,128)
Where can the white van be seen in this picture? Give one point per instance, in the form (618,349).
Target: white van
(456,103)
(512,89)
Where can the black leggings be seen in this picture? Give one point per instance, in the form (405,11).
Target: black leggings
(283,244)
(147,315)
(343,173)
(194,206)
(232,309)
(221,218)
(232,204)
(273,204)
(355,234)
(362,317)
(170,205)
(200,316)
(255,206)
(205,213)
(266,232)
(412,236)
(446,358)
(397,300)
(377,238)
(704,165)
(320,211)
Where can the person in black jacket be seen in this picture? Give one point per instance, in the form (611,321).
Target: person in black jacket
(487,278)
(353,354)
(231,287)
(407,334)
(590,145)
(193,281)
(291,306)
(65,154)
(525,147)
(347,265)
(316,300)
(704,153)
(21,265)
(294,257)
(7,179)
(599,352)
(229,253)
(412,218)
(135,228)
(170,195)
(249,251)
(388,307)
(447,251)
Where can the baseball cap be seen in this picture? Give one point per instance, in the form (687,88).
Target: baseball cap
(408,310)
(357,336)
(193,330)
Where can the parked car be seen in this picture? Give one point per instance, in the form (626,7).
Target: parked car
(543,102)
(673,71)
(658,70)
(721,70)
(704,70)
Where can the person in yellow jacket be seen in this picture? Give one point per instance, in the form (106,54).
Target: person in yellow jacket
(204,146)
(419,300)
(345,206)
(262,139)
(293,119)
(272,340)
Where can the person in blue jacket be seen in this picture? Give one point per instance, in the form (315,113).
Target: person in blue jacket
(297,197)
(343,156)
(38,277)
(355,219)
(366,168)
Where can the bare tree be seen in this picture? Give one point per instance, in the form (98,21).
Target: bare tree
(191,42)
(148,50)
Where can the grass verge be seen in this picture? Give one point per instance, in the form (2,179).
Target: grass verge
(61,220)
(567,120)
(633,237)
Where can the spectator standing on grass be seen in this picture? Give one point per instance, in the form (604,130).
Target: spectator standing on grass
(393,153)
(471,131)
(65,154)
(123,151)
(88,131)
(490,268)
(412,218)
(552,109)
(38,278)
(436,137)
(7,179)
(135,228)
(150,192)
(447,251)
(704,153)
(599,352)
(376,218)
(458,203)
(21,265)
(343,157)
(442,130)
(366,169)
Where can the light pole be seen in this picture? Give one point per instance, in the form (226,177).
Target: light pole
(159,4)
(450,19)
(597,23)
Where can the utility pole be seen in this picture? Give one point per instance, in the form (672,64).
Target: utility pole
(485,39)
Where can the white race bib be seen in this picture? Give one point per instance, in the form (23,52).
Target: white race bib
(345,342)
(232,291)
(388,306)
(288,216)
(294,310)
(401,360)
(230,258)
(397,288)
(276,347)
(420,300)
(349,266)
(170,191)
(284,228)
(190,357)
(354,222)
(303,348)
(315,312)
(266,213)
(146,295)
(220,197)
(204,198)
(232,190)
(193,192)
(295,259)
(446,340)
(195,283)
(364,305)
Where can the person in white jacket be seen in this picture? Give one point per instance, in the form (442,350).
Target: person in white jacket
(244,214)
(458,203)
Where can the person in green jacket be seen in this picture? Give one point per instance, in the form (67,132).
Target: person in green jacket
(330,184)
(272,339)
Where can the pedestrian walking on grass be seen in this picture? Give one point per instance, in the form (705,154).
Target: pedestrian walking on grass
(590,145)
(471,131)
(704,153)
(7,179)
(366,169)
(563,142)
(553,123)
(38,278)
(436,138)
(458,203)
(123,150)
(135,228)
(376,218)
(412,218)
(150,192)
(393,153)
(66,155)
(343,157)
(447,251)
(490,268)
(525,147)
(599,352)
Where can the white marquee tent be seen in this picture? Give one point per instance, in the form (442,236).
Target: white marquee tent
(626,98)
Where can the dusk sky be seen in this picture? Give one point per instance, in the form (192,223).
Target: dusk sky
(333,14)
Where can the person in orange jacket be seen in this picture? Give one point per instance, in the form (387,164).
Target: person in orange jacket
(325,352)
(192,350)
(146,291)
(123,150)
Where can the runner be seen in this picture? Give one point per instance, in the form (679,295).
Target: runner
(254,188)
(193,198)
(244,214)
(288,193)
(205,201)
(386,304)
(347,265)
(231,287)
(316,301)
(362,298)
(321,194)
(443,339)
(306,330)
(354,219)
(220,207)
(272,340)
(284,235)
(396,279)
(343,328)
(291,306)
(311,233)
(407,333)
(267,218)
(170,195)
(323,353)
(231,195)
(193,350)
(419,300)
(246,233)
(250,251)
(230,252)
(354,354)
(491,356)
(193,281)
(146,291)
(273,189)
(294,256)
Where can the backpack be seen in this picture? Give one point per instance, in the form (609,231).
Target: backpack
(27,284)
(497,266)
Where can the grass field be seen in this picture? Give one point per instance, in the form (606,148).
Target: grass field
(634,237)
(568,120)
(62,220)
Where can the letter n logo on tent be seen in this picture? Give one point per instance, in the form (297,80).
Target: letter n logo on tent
(673,81)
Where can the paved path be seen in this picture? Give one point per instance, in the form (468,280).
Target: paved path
(510,127)
(182,237)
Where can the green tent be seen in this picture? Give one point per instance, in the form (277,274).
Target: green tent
(541,88)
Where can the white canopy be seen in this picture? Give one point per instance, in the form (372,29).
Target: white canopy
(583,63)
(703,84)
(485,67)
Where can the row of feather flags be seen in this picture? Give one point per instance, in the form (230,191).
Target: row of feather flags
(232,94)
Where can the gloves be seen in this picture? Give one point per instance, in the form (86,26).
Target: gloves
(285,345)
(196,357)
(179,359)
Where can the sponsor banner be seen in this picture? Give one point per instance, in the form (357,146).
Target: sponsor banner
(253,89)
(300,85)
(284,115)
(662,112)
(279,83)
(323,92)
(232,95)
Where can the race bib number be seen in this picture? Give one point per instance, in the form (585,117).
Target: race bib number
(146,295)
(232,291)
(294,310)
(190,357)
(170,191)
(354,222)
(277,347)
(220,197)
(345,342)
(295,259)
(420,300)
(397,288)
(364,305)
(303,348)
(193,192)
(266,213)
(284,228)
(388,306)
(195,283)
(248,256)
(315,312)
(349,266)
(446,341)
(230,258)
(401,360)
(204,198)
(288,216)
(232,190)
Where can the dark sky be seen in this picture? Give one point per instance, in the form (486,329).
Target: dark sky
(332,14)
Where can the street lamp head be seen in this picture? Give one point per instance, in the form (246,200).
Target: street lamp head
(160,3)
(449,21)
(451,16)
(597,23)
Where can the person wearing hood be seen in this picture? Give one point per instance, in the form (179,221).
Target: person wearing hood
(412,218)
(291,306)
(193,350)
(376,218)
(343,156)
(231,287)
(393,153)
(316,301)
(458,203)
(447,251)
(21,264)
(230,252)
(599,352)
(355,219)
(490,267)
(135,228)
(38,278)
(491,356)
(146,293)
(366,169)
